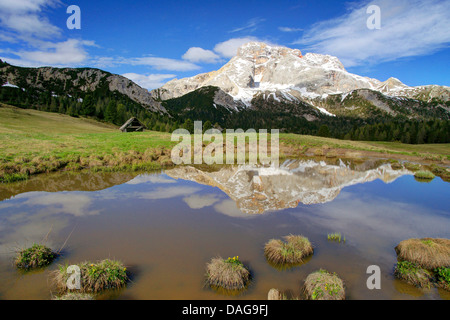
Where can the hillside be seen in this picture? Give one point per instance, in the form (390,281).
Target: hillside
(76,92)
(35,142)
(16,120)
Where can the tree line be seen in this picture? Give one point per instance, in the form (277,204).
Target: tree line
(115,108)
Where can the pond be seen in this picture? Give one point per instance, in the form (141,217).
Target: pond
(166,226)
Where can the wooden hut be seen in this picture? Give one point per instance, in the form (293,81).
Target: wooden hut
(132,125)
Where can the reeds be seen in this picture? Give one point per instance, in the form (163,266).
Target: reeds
(336,236)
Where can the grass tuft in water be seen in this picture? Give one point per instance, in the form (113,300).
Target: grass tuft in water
(413,274)
(95,277)
(323,285)
(13,177)
(289,252)
(227,274)
(442,276)
(424,175)
(424,262)
(336,236)
(429,253)
(37,256)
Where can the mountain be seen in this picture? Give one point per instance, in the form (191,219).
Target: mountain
(262,87)
(260,189)
(270,77)
(75,83)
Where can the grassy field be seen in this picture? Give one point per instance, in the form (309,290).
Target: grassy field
(421,150)
(35,142)
(15,120)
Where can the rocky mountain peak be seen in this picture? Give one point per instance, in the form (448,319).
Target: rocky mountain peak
(262,51)
(262,68)
(270,76)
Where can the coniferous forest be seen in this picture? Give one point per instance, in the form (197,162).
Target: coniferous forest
(116,108)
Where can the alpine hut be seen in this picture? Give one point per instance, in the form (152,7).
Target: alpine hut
(133,125)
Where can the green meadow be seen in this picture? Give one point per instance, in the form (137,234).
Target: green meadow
(35,142)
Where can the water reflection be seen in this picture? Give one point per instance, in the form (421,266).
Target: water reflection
(261,189)
(56,182)
(169,225)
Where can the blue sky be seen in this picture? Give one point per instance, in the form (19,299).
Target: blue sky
(152,42)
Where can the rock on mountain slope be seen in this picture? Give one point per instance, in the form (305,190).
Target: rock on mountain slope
(285,75)
(68,81)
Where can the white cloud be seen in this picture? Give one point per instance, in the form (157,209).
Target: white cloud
(196,201)
(163,63)
(150,81)
(67,53)
(287,29)
(228,207)
(250,26)
(104,62)
(166,193)
(228,49)
(63,202)
(408,28)
(24,22)
(25,18)
(150,178)
(18,6)
(31,24)
(196,55)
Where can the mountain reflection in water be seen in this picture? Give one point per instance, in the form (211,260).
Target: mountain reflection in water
(261,189)
(168,224)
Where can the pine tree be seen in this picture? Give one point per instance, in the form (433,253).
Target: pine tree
(324,131)
(207,125)
(88,106)
(189,125)
(111,112)
(121,115)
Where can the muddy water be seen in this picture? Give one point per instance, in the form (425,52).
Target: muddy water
(166,226)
